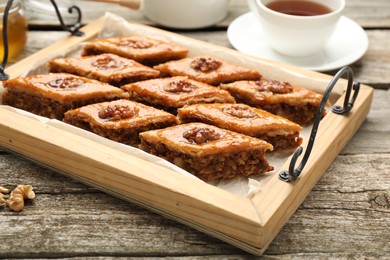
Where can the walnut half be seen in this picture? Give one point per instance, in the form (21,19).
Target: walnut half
(197,135)
(180,86)
(274,86)
(17,196)
(239,111)
(204,64)
(65,83)
(116,112)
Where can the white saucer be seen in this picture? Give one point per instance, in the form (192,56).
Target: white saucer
(348,43)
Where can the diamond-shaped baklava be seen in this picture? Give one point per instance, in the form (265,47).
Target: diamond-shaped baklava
(280,98)
(241,118)
(51,95)
(172,93)
(119,120)
(207,151)
(108,68)
(146,50)
(207,69)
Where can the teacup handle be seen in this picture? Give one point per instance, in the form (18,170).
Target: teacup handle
(254,8)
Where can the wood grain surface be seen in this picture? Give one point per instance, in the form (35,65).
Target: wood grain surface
(346,215)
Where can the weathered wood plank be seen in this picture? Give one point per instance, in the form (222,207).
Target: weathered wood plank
(374,134)
(346,216)
(339,216)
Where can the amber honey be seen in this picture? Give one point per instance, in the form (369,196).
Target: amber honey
(17,31)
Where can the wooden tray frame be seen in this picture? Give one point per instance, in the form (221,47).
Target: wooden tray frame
(247,223)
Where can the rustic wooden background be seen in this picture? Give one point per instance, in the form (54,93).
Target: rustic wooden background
(346,216)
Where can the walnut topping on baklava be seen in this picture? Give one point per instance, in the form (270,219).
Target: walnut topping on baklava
(274,86)
(107,63)
(116,112)
(180,86)
(201,135)
(65,83)
(239,111)
(135,43)
(205,64)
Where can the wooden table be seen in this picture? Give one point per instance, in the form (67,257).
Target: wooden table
(347,214)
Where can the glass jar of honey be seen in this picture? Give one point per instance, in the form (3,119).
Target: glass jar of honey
(17,29)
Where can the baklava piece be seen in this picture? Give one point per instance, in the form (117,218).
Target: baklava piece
(119,120)
(172,93)
(280,98)
(241,118)
(51,95)
(207,69)
(207,151)
(143,49)
(108,68)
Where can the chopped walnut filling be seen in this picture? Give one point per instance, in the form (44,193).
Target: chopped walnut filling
(198,135)
(180,86)
(107,63)
(239,111)
(116,112)
(205,64)
(135,44)
(65,83)
(274,86)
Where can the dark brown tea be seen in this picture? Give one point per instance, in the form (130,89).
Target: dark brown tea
(298,7)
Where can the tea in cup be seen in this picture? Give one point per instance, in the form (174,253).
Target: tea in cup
(297,27)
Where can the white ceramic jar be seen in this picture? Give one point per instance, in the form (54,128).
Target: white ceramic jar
(185,14)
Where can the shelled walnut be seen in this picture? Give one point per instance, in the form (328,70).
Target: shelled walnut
(2,199)
(17,196)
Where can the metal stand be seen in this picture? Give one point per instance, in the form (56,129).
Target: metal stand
(292,173)
(74,30)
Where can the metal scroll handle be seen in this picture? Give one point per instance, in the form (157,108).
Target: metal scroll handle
(293,173)
(74,30)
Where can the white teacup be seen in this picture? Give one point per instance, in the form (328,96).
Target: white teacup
(296,35)
(184,14)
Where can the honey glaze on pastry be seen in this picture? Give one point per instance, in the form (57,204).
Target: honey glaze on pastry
(281,98)
(172,93)
(51,95)
(207,151)
(145,50)
(108,68)
(207,69)
(119,120)
(241,118)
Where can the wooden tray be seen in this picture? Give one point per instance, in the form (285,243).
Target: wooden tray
(248,223)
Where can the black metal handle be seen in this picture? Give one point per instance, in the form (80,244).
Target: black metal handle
(293,173)
(74,30)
